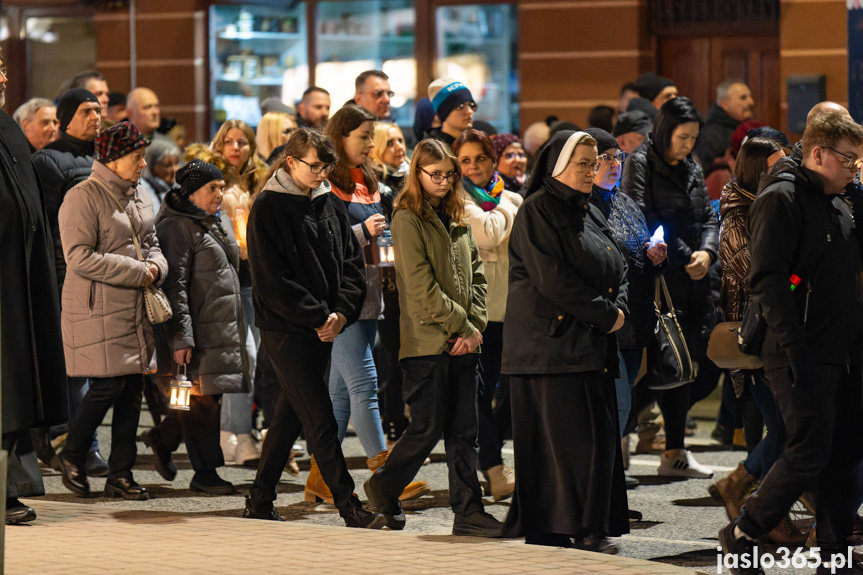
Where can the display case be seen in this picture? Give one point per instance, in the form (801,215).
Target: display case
(358,35)
(477,44)
(256,52)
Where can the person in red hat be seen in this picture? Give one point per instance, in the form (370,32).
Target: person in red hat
(106,334)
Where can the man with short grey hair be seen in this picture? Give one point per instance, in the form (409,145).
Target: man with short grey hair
(38,121)
(734,105)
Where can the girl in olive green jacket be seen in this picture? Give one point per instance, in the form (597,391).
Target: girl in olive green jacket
(442,295)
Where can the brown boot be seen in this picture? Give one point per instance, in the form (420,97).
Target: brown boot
(413,490)
(316,487)
(732,490)
(786,534)
(501,481)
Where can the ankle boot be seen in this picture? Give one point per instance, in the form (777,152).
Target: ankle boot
(732,490)
(316,488)
(414,489)
(501,481)
(786,534)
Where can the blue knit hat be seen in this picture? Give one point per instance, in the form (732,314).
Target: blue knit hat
(449,98)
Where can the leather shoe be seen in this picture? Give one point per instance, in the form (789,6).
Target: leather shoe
(477,524)
(17,512)
(357,517)
(253,511)
(125,488)
(210,483)
(74,477)
(163,463)
(95,465)
(391,510)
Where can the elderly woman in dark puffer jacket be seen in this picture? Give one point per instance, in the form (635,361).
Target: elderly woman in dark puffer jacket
(203,337)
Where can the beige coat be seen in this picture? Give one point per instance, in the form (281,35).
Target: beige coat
(105,328)
(491,231)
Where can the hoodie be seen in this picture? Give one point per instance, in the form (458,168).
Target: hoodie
(305,260)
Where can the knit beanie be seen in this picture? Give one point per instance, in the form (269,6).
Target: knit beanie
(69,103)
(194,176)
(635,121)
(604,140)
(501,141)
(119,140)
(449,98)
(649,85)
(642,105)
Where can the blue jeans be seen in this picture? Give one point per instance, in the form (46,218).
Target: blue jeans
(353,385)
(630,363)
(768,449)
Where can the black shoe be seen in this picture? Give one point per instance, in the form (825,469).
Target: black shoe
(210,483)
(253,511)
(95,465)
(163,463)
(125,488)
(355,516)
(74,477)
(477,524)
(17,512)
(631,482)
(550,540)
(742,548)
(634,516)
(596,543)
(391,510)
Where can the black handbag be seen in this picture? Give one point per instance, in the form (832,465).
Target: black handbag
(669,364)
(752,329)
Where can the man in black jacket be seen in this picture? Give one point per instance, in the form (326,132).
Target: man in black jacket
(805,274)
(61,165)
(734,105)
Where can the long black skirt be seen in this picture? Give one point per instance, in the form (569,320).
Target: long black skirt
(568,467)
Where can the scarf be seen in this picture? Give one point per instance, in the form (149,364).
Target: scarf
(488,197)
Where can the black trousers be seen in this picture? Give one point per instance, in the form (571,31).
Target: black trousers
(199,428)
(123,393)
(389,373)
(441,392)
(824,429)
(303,403)
(489,441)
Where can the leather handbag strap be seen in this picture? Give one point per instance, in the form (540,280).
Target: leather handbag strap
(120,207)
(660,290)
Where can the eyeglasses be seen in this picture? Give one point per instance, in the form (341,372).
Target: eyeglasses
(587,167)
(608,159)
(852,163)
(438,178)
(471,105)
(317,169)
(514,155)
(379,93)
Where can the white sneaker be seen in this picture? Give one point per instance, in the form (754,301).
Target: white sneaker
(683,465)
(247,453)
(228,442)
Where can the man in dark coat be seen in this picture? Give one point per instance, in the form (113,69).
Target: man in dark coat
(734,105)
(802,236)
(32,366)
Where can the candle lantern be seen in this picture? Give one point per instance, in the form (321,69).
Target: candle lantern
(181,391)
(386,252)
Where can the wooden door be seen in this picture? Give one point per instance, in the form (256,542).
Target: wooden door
(698,64)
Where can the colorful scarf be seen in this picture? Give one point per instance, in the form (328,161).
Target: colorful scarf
(488,197)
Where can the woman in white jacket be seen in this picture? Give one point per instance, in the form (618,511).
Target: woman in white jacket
(491,210)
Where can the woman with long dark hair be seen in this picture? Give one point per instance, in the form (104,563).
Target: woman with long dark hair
(307,272)
(667,184)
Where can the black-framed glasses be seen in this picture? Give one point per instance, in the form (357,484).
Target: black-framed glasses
(471,105)
(609,159)
(379,93)
(514,155)
(317,169)
(587,167)
(438,178)
(852,163)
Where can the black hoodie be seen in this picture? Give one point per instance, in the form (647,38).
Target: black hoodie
(796,229)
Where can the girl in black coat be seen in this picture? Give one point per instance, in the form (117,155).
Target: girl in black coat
(308,284)
(567,296)
(668,186)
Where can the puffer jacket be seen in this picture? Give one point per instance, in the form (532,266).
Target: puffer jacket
(491,231)
(441,286)
(203,284)
(105,328)
(734,251)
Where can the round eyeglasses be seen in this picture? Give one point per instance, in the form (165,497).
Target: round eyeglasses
(438,178)
(317,169)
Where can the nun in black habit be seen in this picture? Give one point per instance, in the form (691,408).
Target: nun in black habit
(567,297)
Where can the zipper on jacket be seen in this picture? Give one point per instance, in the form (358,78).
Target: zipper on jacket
(806,305)
(92,301)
